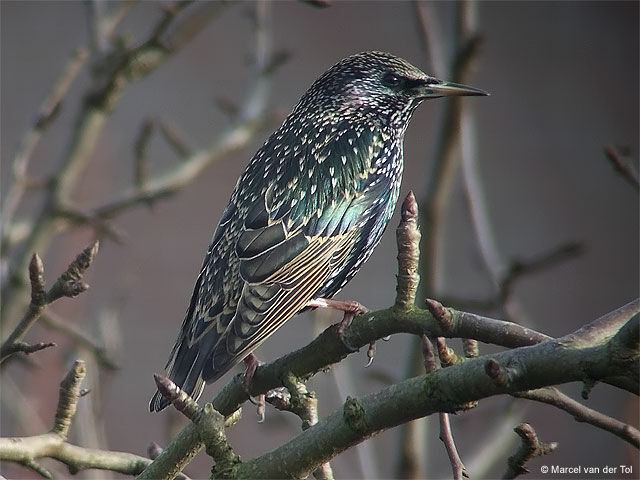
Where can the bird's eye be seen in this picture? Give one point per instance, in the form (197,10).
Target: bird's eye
(392,80)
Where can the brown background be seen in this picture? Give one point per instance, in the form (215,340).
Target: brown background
(564,83)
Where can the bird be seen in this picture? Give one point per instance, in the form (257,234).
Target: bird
(305,215)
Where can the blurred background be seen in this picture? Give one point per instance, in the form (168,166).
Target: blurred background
(564,83)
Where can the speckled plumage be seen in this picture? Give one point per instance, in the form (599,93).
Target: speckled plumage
(305,215)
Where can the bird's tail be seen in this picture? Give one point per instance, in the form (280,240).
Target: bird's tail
(185,370)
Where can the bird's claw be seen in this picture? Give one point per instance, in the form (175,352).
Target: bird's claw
(260,408)
(351,308)
(252,363)
(371,353)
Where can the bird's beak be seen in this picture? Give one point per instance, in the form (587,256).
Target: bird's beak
(434,88)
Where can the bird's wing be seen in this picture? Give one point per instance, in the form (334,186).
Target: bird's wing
(211,309)
(289,247)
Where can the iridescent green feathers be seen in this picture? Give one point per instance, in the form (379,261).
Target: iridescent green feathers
(304,216)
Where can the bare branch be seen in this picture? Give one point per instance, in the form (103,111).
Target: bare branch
(408,239)
(112,19)
(178,397)
(68,401)
(430,37)
(153,450)
(173,181)
(622,165)
(295,398)
(27,450)
(175,139)
(317,3)
(529,448)
(36,467)
(141,145)
(183,28)
(520,268)
(47,113)
(209,425)
(69,284)
(98,225)
(111,74)
(446,436)
(54,322)
(581,353)
(582,413)
(26,348)
(465,382)
(35,309)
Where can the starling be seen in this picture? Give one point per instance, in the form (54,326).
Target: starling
(305,215)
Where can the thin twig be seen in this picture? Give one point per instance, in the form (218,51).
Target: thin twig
(582,413)
(154,450)
(498,439)
(209,424)
(36,306)
(69,284)
(446,433)
(446,436)
(111,75)
(295,398)
(176,139)
(430,36)
(141,145)
(26,348)
(27,450)
(440,181)
(623,166)
(529,448)
(173,181)
(180,399)
(112,19)
(521,268)
(56,323)
(47,113)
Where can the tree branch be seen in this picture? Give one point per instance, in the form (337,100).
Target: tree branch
(27,450)
(442,390)
(48,111)
(530,447)
(69,284)
(581,353)
(408,240)
(295,398)
(582,413)
(446,434)
(103,356)
(173,181)
(111,73)
(623,166)
(209,425)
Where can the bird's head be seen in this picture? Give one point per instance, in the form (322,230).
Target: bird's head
(379,80)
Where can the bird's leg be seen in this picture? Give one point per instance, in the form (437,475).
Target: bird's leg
(251,362)
(350,308)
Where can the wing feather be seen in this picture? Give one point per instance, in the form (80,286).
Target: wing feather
(274,251)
